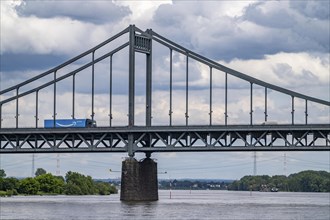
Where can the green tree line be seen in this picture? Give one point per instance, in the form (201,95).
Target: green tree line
(305,181)
(45,183)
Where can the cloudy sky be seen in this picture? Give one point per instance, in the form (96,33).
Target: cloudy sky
(285,43)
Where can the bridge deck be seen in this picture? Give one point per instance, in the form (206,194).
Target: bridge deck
(315,137)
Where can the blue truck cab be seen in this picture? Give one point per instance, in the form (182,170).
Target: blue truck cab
(70,123)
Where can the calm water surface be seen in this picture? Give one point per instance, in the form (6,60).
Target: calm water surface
(181,205)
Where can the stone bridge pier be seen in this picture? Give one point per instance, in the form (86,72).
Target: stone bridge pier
(139,180)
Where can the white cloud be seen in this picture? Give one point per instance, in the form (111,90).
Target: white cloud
(142,11)
(53,35)
(289,70)
(36,38)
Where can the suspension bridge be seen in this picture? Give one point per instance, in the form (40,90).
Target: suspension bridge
(269,136)
(179,131)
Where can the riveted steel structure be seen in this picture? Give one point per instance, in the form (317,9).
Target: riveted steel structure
(149,138)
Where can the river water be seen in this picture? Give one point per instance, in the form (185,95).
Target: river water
(177,204)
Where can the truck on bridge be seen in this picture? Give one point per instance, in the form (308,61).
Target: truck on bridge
(69,123)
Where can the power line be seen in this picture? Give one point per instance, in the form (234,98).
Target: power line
(309,161)
(217,167)
(32,172)
(254,163)
(58,170)
(284,164)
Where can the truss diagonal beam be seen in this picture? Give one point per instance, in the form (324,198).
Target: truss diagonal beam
(167,139)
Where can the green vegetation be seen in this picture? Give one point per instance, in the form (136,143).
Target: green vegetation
(305,181)
(46,184)
(50,184)
(2,173)
(40,171)
(77,184)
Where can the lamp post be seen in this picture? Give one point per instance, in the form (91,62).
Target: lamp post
(114,171)
(165,172)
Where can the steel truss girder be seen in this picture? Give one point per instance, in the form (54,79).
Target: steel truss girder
(62,142)
(168,139)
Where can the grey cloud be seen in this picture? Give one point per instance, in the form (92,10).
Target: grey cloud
(24,62)
(16,68)
(313,9)
(293,32)
(166,16)
(207,29)
(274,19)
(97,12)
(285,71)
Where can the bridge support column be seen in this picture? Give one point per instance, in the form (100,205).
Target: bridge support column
(139,180)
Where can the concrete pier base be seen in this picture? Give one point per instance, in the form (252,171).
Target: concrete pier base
(139,180)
